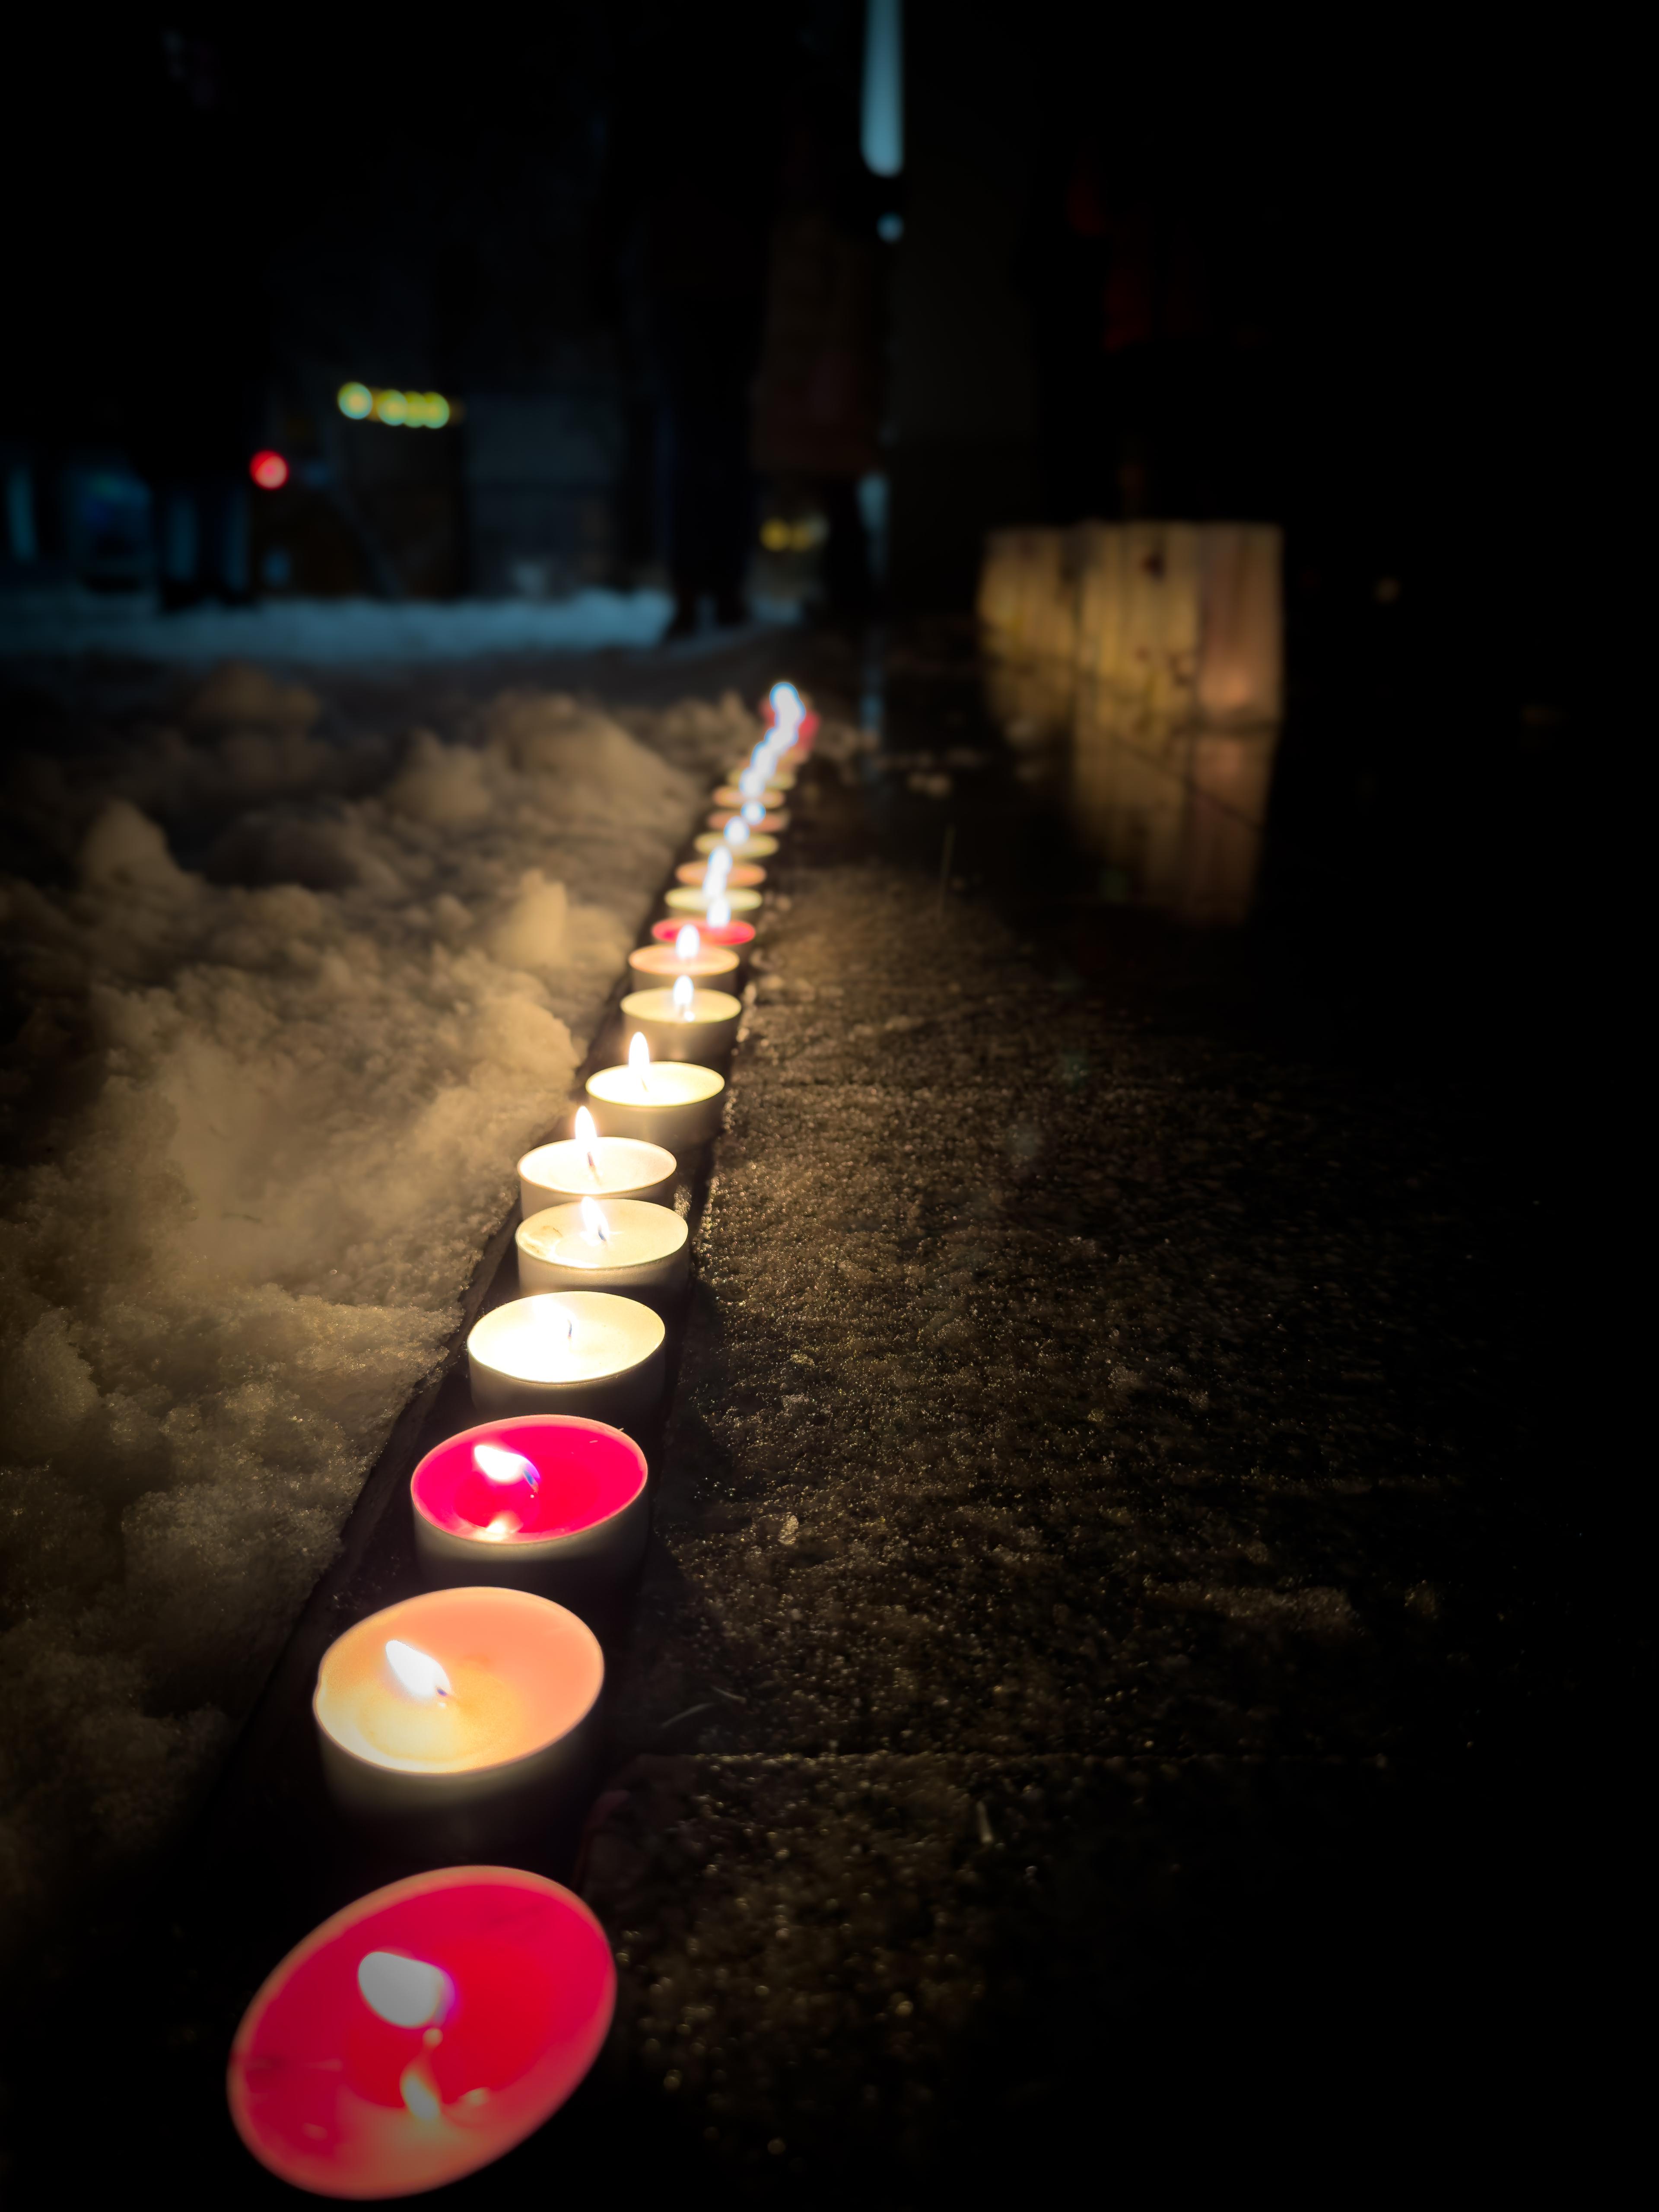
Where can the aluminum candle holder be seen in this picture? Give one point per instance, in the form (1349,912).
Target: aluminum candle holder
(422,2032)
(466,1710)
(739,935)
(673,1102)
(604,1244)
(584,1351)
(683,1024)
(694,899)
(544,1503)
(588,1165)
(660,965)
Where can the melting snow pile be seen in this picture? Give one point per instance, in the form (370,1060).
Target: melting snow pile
(264,1126)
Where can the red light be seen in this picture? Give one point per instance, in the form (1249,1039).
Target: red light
(269,470)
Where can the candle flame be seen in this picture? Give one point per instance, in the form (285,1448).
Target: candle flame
(719,913)
(502,1465)
(787,706)
(753,811)
(418,1671)
(587,1137)
(596,1230)
(418,2093)
(736,832)
(639,1058)
(406,1992)
(685,998)
(687,944)
(720,865)
(751,784)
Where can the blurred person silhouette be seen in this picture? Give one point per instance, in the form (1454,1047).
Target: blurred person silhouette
(685,212)
(817,397)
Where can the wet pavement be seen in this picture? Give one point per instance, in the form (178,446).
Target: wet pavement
(1106,1596)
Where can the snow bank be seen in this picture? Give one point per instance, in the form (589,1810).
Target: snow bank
(328,632)
(267,1113)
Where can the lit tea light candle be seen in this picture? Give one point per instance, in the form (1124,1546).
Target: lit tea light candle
(686,955)
(546,1503)
(584,1351)
(673,1103)
(773,781)
(588,1165)
(422,2032)
(696,898)
(618,1245)
(758,848)
(461,1702)
(745,877)
(724,931)
(761,821)
(685,1023)
(750,786)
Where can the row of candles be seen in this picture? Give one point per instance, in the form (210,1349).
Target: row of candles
(430,2026)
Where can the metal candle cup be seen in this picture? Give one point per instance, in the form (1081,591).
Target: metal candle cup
(651,964)
(739,935)
(641,1249)
(463,1707)
(692,899)
(679,1105)
(610,1167)
(757,847)
(544,1502)
(705,1032)
(422,2032)
(584,1351)
(743,875)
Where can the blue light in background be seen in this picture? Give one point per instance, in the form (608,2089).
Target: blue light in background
(883,132)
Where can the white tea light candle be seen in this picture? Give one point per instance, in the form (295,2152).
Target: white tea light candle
(584,1351)
(615,1245)
(673,1103)
(758,847)
(695,898)
(588,1165)
(685,1023)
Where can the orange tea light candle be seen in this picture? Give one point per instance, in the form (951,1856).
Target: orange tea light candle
(545,1502)
(756,847)
(584,1351)
(460,1700)
(660,963)
(422,2032)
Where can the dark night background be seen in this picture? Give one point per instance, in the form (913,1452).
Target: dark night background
(1326,274)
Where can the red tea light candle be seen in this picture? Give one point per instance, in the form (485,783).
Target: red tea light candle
(588,1165)
(544,1503)
(684,1023)
(673,1103)
(663,964)
(618,1245)
(699,899)
(584,1351)
(739,935)
(422,2032)
(466,1702)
